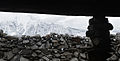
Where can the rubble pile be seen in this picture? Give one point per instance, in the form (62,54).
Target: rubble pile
(52,47)
(116,47)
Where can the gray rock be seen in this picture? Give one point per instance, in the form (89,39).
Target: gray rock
(39,43)
(67,53)
(20,47)
(34,54)
(40,55)
(48,45)
(74,59)
(55,44)
(113,58)
(5,49)
(2,60)
(11,37)
(26,41)
(62,57)
(83,55)
(66,45)
(61,39)
(42,46)
(37,51)
(34,47)
(27,47)
(3,40)
(62,43)
(119,59)
(57,55)
(31,42)
(55,59)
(55,50)
(43,41)
(41,60)
(15,50)
(50,56)
(16,58)
(8,55)
(23,59)
(45,58)
(118,50)
(2,44)
(54,41)
(61,46)
(34,39)
(117,37)
(26,52)
(78,46)
(76,54)
(45,51)
(1,54)
(69,56)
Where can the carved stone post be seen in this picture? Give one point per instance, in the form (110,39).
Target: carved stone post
(98,31)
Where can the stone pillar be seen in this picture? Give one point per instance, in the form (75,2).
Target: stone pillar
(98,31)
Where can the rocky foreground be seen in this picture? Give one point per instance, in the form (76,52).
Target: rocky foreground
(52,47)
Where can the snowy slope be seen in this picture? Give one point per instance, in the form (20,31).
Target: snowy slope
(15,28)
(31,24)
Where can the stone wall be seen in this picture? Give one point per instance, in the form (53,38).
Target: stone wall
(52,47)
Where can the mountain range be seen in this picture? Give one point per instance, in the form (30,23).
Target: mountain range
(42,28)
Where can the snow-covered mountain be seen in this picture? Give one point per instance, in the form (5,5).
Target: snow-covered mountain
(42,28)
(31,24)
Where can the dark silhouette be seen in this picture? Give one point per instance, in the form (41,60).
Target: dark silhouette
(98,31)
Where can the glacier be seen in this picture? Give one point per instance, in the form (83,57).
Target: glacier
(21,24)
(32,24)
(42,28)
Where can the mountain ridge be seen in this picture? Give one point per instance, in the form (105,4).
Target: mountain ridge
(42,28)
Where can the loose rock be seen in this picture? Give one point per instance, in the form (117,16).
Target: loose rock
(74,59)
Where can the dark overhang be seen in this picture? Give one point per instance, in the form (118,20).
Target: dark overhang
(72,8)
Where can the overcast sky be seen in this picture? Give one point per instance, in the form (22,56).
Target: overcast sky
(78,22)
